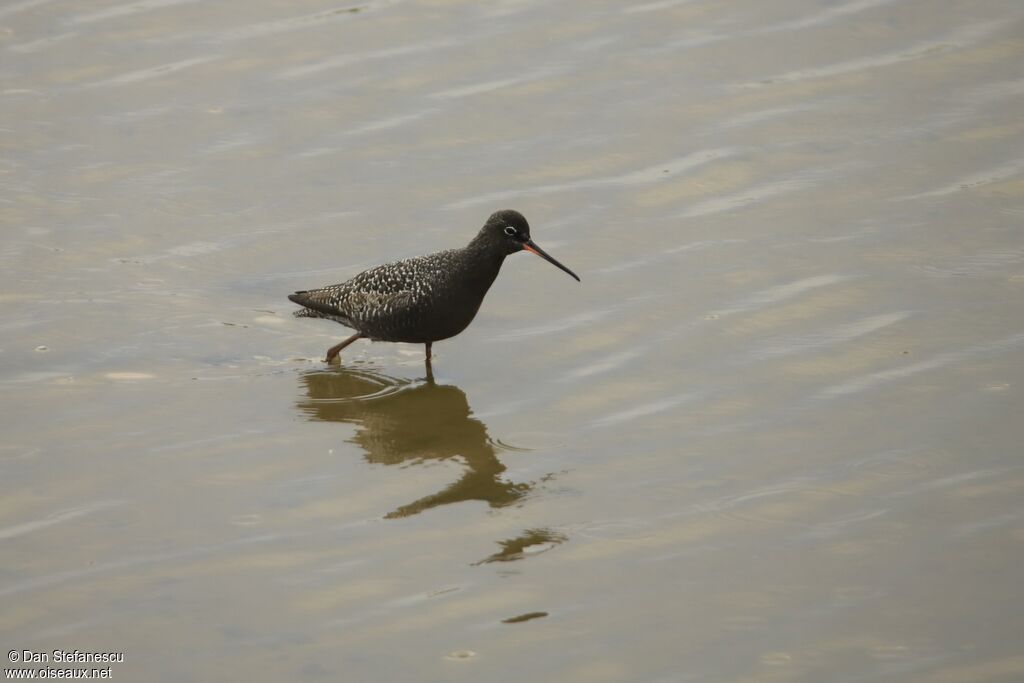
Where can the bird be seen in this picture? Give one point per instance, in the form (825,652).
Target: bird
(423,299)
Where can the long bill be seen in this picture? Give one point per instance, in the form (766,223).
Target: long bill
(530,246)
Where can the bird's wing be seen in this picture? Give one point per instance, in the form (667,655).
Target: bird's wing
(383,290)
(369,304)
(345,301)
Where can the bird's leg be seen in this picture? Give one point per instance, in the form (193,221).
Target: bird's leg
(430,370)
(333,352)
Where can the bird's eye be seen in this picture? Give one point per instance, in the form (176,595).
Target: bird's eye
(510,231)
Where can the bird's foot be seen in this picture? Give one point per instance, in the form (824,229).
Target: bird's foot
(335,350)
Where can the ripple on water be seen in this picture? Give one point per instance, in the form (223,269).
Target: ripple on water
(870,381)
(150,73)
(645,410)
(14,8)
(498,84)
(984,264)
(42,43)
(958,39)
(795,504)
(895,464)
(654,6)
(345,60)
(845,332)
(502,446)
(986,177)
(57,518)
(559,325)
(292,23)
(129,376)
(650,174)
(604,364)
(778,293)
(360,385)
(126,9)
(252,519)
(460,655)
(759,193)
(888,653)
(668,255)
(776,659)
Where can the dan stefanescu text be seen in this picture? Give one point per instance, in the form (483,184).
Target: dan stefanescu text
(70,656)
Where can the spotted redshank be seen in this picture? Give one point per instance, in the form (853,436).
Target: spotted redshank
(423,299)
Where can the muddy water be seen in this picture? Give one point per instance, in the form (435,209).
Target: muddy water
(774,435)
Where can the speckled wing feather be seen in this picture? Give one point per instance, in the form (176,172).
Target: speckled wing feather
(381,301)
(345,305)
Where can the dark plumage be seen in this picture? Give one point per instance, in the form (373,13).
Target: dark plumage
(426,298)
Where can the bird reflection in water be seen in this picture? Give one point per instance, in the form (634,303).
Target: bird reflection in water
(401,421)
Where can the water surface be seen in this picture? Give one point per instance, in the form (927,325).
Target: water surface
(773,435)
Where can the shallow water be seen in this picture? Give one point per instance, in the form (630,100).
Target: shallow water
(773,435)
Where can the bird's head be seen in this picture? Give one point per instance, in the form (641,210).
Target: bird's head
(508,231)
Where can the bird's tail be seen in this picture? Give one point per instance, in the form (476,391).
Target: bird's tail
(302,299)
(314,306)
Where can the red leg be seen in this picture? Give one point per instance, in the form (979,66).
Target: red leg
(333,352)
